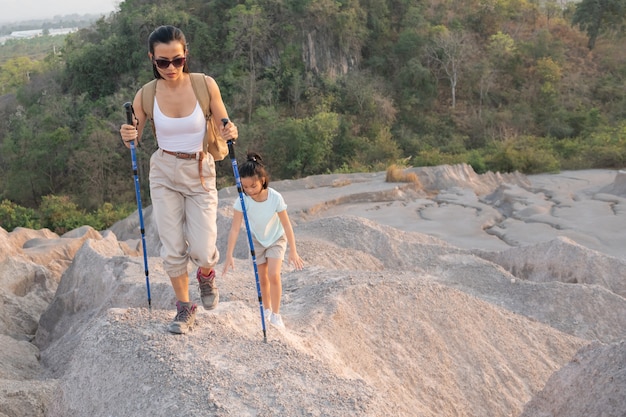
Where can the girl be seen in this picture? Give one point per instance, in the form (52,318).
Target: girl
(271,231)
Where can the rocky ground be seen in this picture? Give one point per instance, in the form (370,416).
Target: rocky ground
(471,295)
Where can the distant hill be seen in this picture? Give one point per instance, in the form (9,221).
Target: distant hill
(57,22)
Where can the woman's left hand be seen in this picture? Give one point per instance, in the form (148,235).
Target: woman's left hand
(229,132)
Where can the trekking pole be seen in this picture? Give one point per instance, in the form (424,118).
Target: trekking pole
(129,120)
(233,161)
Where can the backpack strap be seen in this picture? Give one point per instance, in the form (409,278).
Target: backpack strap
(148,91)
(201,90)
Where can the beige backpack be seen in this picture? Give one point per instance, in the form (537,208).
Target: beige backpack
(213,142)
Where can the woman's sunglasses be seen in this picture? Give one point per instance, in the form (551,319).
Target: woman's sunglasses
(165,63)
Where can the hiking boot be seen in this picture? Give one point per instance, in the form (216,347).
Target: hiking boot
(277,321)
(209,293)
(185,318)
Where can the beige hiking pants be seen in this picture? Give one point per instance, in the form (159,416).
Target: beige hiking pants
(185,213)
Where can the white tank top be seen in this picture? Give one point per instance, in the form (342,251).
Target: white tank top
(180,134)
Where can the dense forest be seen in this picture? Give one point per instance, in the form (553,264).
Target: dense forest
(323,86)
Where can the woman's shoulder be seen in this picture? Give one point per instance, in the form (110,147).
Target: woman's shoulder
(210,82)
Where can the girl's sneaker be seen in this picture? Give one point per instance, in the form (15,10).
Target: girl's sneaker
(267,313)
(277,321)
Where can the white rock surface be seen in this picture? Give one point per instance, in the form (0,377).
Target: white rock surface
(479,295)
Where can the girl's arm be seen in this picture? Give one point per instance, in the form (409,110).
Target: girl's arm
(294,258)
(232,240)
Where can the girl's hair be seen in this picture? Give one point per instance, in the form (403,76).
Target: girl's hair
(166,34)
(253,167)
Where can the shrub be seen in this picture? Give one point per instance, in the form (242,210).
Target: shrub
(434,157)
(397,174)
(477,162)
(60,214)
(107,215)
(13,215)
(526,154)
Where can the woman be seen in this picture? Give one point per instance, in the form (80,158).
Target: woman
(182,176)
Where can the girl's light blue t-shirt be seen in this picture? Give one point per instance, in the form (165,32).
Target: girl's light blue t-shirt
(263,216)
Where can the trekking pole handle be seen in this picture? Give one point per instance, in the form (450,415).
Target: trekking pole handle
(129,119)
(129,112)
(229,142)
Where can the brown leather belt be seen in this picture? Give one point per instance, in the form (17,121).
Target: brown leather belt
(197,155)
(182,155)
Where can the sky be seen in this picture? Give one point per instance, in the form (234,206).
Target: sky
(19,10)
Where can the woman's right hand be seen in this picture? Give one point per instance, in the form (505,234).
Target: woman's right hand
(129,134)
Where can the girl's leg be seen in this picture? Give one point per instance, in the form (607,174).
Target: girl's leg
(273,267)
(265,285)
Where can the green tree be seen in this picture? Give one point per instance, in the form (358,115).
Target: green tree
(448,55)
(598,16)
(100,170)
(22,184)
(302,146)
(16,72)
(249,34)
